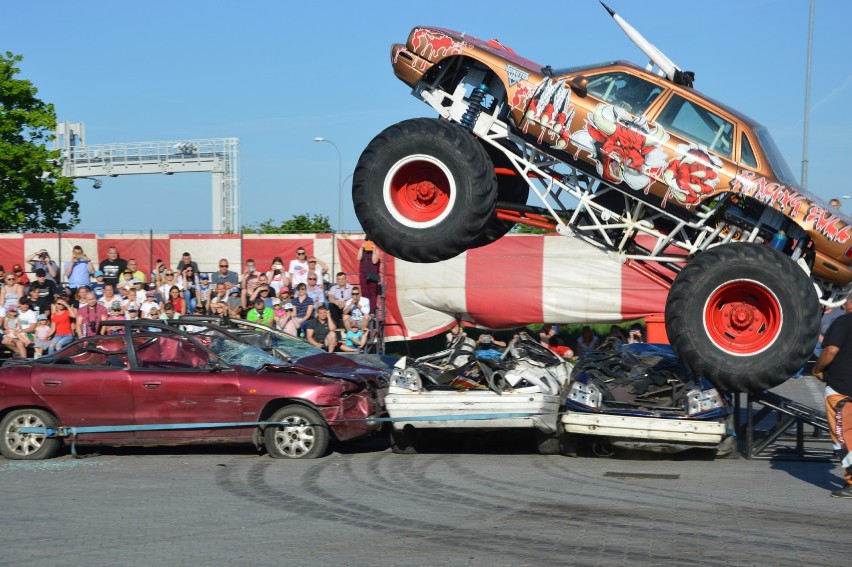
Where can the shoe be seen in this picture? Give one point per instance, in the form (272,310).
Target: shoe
(845,492)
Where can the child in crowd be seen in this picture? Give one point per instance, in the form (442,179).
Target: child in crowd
(42,336)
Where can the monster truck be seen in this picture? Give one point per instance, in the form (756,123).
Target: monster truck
(687,191)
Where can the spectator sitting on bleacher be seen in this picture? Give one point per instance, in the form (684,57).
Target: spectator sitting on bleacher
(46,289)
(99,284)
(13,337)
(357,311)
(11,292)
(278,276)
(20,275)
(321,330)
(133,267)
(287,320)
(315,289)
(304,307)
(61,323)
(109,297)
(260,313)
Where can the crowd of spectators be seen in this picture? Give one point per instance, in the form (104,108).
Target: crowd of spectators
(68,302)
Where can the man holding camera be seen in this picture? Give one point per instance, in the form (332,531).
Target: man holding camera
(78,270)
(41,259)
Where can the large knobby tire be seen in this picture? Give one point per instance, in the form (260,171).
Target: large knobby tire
(424,189)
(511,188)
(27,446)
(304,437)
(744,316)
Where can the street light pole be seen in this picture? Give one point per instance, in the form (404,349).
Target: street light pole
(339,182)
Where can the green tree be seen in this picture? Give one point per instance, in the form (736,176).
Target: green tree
(35,198)
(298,224)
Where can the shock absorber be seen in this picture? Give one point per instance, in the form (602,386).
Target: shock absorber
(474,107)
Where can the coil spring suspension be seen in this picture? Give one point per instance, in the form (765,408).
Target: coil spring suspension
(474,107)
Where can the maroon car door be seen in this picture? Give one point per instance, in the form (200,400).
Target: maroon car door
(172,384)
(93,394)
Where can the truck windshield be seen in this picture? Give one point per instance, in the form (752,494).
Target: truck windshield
(776,160)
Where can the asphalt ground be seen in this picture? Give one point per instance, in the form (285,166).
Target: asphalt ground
(488,501)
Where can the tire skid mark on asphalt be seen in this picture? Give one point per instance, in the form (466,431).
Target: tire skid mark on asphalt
(664,493)
(573,518)
(333,508)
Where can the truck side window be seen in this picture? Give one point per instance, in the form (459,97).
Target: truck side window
(631,93)
(746,153)
(699,125)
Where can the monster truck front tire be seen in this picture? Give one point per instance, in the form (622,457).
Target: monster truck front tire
(424,190)
(744,316)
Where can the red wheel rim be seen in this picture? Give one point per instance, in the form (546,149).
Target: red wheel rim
(743,317)
(419,191)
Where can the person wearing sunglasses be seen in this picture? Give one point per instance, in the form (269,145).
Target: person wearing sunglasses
(356,314)
(224,275)
(11,292)
(315,289)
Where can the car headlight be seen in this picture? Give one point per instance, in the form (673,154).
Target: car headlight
(585,394)
(699,401)
(407,378)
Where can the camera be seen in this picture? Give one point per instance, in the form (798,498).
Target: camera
(486,338)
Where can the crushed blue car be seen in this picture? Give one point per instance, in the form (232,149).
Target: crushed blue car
(639,396)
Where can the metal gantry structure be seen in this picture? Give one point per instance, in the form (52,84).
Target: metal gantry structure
(218,156)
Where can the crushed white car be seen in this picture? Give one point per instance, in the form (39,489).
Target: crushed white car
(462,388)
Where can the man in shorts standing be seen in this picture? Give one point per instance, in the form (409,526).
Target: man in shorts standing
(834,367)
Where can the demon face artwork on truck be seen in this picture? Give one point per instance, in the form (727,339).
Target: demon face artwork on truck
(624,147)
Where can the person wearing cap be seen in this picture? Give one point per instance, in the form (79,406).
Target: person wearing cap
(287,320)
(149,303)
(20,274)
(41,260)
(99,284)
(78,270)
(235,302)
(260,313)
(113,314)
(113,266)
(204,292)
(46,290)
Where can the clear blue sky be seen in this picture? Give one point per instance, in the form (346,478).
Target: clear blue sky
(277,74)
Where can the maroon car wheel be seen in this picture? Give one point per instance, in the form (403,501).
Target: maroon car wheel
(424,190)
(27,446)
(302,435)
(744,316)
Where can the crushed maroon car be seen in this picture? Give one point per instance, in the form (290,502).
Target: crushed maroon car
(147,382)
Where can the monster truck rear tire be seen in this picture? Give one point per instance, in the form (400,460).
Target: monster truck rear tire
(744,316)
(424,190)
(510,189)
